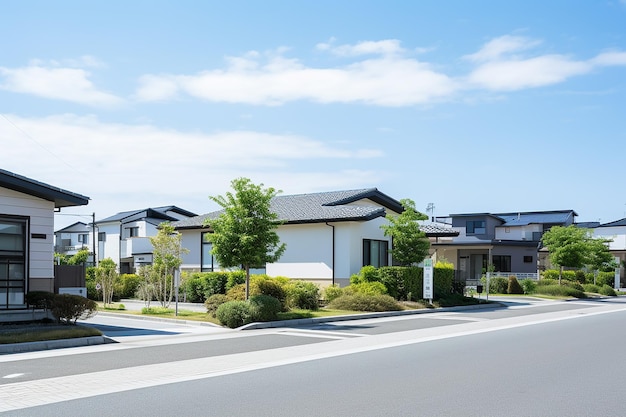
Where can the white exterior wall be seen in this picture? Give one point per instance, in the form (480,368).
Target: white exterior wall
(110,248)
(616,233)
(309,253)
(517,232)
(40,252)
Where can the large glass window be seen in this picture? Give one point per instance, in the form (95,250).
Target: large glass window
(208,260)
(475,227)
(375,252)
(12,263)
(501,263)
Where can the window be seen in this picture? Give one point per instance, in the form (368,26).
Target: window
(12,263)
(133,231)
(83,238)
(476,227)
(102,237)
(207,259)
(528,259)
(501,263)
(375,252)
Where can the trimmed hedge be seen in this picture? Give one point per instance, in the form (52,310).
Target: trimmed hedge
(234,313)
(265,307)
(407,283)
(67,308)
(362,302)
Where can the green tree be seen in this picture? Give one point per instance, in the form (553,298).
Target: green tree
(244,234)
(106,276)
(410,244)
(166,259)
(575,247)
(79,258)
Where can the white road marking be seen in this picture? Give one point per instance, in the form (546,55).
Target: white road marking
(11,376)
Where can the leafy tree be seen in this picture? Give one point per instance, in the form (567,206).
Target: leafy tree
(166,259)
(106,276)
(244,234)
(575,247)
(79,258)
(410,244)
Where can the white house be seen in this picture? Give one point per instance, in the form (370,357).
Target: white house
(125,237)
(73,238)
(329,236)
(616,232)
(26,236)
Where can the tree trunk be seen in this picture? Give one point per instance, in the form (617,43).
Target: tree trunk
(247,282)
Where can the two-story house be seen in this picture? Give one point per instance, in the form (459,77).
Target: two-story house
(125,236)
(73,238)
(508,241)
(616,232)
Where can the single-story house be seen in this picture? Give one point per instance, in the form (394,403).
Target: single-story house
(329,236)
(27,236)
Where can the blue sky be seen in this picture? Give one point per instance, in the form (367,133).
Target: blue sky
(485,106)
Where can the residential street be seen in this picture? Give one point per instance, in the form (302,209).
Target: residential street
(530,358)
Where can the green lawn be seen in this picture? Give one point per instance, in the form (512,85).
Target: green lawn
(37,332)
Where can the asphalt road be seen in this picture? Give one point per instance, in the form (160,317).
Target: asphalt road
(531,359)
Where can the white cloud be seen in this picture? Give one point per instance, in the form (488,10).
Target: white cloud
(272,79)
(123,167)
(60,83)
(503,45)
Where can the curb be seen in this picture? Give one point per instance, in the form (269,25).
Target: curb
(159,319)
(53,344)
(296,322)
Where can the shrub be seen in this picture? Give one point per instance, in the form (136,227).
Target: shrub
(213,302)
(234,313)
(547,281)
(265,307)
(561,291)
(605,278)
(580,276)
(40,299)
(235,278)
(126,286)
(156,310)
(192,287)
(572,284)
(607,290)
(368,273)
(332,292)
(214,283)
(497,285)
(514,286)
(273,288)
(237,293)
(367,288)
(362,302)
(529,286)
(591,288)
(302,294)
(67,308)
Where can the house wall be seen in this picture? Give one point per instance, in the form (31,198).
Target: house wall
(191,240)
(518,232)
(40,252)
(110,248)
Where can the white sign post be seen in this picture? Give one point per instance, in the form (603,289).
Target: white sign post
(617,278)
(428,280)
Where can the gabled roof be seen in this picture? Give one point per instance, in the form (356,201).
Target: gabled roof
(156,214)
(621,222)
(60,197)
(322,207)
(75,227)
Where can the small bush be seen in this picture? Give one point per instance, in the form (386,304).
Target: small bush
(213,302)
(235,278)
(40,299)
(497,285)
(362,302)
(591,288)
(264,307)
(580,276)
(67,308)
(237,293)
(368,273)
(529,286)
(547,281)
(605,278)
(234,313)
(303,295)
(607,290)
(514,286)
(156,310)
(333,292)
(192,287)
(273,288)
(126,286)
(367,288)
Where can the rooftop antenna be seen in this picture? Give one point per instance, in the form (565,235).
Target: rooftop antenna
(431,208)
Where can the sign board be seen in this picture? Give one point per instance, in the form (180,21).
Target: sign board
(428,279)
(617,279)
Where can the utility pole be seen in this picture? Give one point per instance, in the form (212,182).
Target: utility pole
(95,237)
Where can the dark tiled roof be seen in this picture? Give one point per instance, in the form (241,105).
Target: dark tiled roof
(433,230)
(75,227)
(536,217)
(317,208)
(60,197)
(153,213)
(621,222)
(587,225)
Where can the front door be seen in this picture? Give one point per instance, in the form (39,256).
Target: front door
(12,263)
